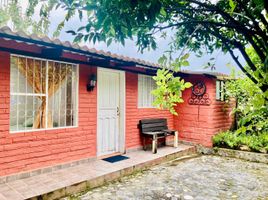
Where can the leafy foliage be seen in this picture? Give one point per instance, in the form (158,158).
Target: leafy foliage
(252,109)
(12,15)
(189,24)
(169,87)
(169,91)
(224,25)
(251,132)
(258,143)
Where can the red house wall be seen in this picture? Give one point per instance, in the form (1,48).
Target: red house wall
(198,123)
(134,114)
(26,151)
(30,150)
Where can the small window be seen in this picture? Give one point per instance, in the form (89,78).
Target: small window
(145,86)
(220,90)
(43,94)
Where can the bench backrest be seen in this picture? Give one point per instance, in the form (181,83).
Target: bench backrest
(149,125)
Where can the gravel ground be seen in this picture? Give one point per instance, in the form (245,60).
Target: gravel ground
(205,177)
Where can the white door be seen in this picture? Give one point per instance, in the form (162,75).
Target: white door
(108,139)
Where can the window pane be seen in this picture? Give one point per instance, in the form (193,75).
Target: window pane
(62,94)
(30,97)
(74,96)
(37,75)
(24,112)
(33,110)
(139,92)
(217,90)
(13,75)
(69,121)
(27,75)
(21,66)
(13,113)
(145,86)
(222,91)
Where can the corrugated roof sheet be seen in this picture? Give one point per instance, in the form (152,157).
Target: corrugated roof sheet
(6,32)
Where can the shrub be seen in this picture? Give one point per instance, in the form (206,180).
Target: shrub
(253,142)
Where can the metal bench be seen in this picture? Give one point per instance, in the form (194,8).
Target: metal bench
(155,129)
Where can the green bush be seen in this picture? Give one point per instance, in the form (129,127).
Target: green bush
(252,142)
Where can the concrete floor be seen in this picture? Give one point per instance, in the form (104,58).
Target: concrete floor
(70,180)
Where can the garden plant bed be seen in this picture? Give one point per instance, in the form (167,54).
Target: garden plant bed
(245,155)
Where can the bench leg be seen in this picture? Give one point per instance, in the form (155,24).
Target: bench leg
(154,144)
(144,144)
(176,138)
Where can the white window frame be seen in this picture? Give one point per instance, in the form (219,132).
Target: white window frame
(141,92)
(220,90)
(46,94)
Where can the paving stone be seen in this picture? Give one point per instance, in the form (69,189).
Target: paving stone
(205,177)
(188,197)
(92,173)
(9,193)
(22,188)
(2,197)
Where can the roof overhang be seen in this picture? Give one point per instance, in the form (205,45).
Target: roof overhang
(54,49)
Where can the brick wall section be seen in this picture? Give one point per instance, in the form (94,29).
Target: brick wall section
(198,123)
(32,150)
(134,114)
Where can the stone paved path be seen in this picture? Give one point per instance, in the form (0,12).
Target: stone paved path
(205,177)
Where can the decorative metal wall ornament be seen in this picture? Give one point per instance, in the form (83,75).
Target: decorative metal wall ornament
(199,95)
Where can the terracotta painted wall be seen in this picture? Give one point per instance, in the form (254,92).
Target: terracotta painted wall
(198,123)
(134,114)
(31,150)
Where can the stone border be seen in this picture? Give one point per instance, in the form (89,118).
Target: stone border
(27,174)
(245,155)
(113,176)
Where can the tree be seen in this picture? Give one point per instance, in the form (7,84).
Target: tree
(251,111)
(225,25)
(191,24)
(12,15)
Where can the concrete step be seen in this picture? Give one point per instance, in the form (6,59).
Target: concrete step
(82,177)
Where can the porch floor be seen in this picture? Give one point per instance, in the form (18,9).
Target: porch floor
(66,181)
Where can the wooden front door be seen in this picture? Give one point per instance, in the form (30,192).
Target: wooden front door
(108,133)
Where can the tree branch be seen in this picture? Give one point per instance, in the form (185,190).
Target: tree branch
(233,24)
(225,15)
(196,22)
(235,58)
(261,33)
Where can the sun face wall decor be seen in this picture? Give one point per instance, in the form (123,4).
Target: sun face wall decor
(199,95)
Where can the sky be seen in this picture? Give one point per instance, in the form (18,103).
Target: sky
(222,61)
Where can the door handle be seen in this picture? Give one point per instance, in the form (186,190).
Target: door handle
(117,111)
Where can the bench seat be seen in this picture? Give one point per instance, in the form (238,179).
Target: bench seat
(155,129)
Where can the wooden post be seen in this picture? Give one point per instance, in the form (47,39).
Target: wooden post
(176,137)
(154,144)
